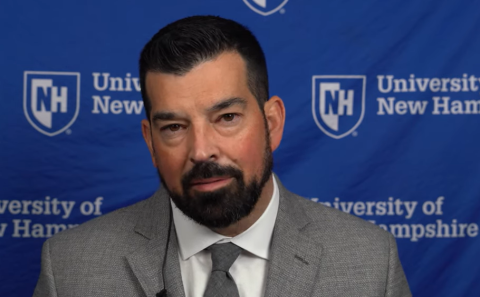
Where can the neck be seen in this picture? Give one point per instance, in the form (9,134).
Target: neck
(246,222)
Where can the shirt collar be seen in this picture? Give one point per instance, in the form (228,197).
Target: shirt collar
(193,237)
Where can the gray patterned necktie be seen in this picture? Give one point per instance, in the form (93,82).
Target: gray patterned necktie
(221,283)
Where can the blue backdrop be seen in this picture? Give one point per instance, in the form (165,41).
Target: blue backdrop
(383,114)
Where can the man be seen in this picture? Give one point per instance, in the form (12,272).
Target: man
(222,224)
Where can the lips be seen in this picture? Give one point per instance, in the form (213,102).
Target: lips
(208,184)
(208,180)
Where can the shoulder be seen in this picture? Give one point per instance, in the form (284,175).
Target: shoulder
(97,252)
(341,229)
(112,232)
(348,244)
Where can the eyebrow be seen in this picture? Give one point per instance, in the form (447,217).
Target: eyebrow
(169,115)
(227,103)
(165,116)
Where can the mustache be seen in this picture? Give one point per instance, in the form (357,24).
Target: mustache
(208,170)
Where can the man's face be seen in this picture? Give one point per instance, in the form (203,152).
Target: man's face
(209,140)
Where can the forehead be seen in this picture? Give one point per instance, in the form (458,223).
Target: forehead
(204,85)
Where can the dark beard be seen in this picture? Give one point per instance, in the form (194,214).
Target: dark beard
(227,205)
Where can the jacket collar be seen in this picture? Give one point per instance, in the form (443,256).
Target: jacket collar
(147,261)
(294,258)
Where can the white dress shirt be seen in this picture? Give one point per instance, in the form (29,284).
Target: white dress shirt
(249,270)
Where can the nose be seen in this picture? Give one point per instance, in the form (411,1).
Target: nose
(203,145)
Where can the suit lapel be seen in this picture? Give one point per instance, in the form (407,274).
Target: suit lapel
(294,261)
(295,258)
(146,262)
(173,275)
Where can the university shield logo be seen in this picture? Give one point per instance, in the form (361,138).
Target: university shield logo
(51,100)
(338,103)
(265,7)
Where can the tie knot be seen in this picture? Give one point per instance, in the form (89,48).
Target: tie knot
(223,255)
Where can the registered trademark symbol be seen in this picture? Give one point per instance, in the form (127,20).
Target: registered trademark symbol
(282,11)
(68,132)
(354,133)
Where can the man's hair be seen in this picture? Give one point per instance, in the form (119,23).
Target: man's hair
(183,44)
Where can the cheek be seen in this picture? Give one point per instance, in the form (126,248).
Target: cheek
(170,163)
(248,153)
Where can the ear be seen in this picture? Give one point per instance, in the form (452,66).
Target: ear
(147,136)
(275,113)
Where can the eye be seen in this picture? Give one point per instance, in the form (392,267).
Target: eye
(229,120)
(228,117)
(171,128)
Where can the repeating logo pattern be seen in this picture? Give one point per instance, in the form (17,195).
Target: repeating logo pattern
(51,100)
(265,7)
(338,103)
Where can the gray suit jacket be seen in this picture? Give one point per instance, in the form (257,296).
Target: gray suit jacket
(316,251)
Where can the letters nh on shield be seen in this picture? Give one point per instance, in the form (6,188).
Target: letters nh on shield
(265,7)
(338,103)
(51,100)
